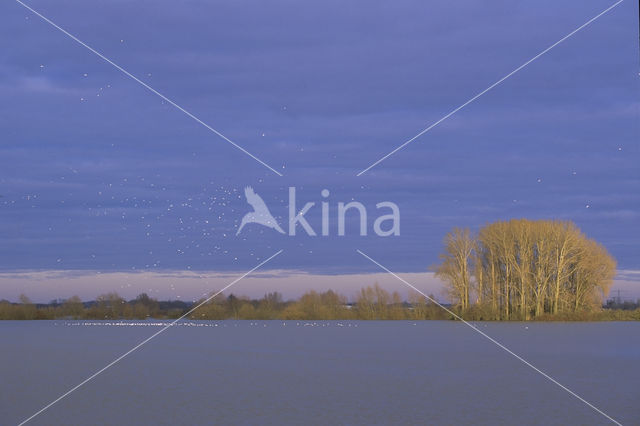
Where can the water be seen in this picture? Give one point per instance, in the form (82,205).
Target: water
(327,372)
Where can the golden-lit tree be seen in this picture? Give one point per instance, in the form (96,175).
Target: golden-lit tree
(524,268)
(454,268)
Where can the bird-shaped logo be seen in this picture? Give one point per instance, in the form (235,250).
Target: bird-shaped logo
(260,213)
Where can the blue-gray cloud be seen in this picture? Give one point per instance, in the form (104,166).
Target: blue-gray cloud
(97,173)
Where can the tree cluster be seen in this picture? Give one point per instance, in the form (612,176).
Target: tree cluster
(524,269)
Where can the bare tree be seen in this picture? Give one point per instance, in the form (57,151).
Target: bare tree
(454,269)
(526,268)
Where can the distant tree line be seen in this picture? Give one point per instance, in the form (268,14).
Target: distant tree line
(525,269)
(106,306)
(370,303)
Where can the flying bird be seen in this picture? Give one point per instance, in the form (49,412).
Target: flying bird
(260,213)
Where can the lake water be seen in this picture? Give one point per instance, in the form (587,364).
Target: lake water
(327,372)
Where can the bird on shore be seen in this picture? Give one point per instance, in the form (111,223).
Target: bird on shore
(260,213)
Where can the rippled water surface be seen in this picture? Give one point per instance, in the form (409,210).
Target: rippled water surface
(332,372)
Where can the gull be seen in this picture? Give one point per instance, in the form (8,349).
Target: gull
(260,213)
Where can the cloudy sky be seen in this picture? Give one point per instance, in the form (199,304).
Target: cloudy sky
(99,175)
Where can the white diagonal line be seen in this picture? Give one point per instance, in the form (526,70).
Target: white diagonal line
(500,345)
(146,86)
(145,341)
(490,87)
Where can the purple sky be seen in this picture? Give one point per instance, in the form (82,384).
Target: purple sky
(99,174)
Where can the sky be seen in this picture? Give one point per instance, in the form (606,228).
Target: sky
(101,177)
